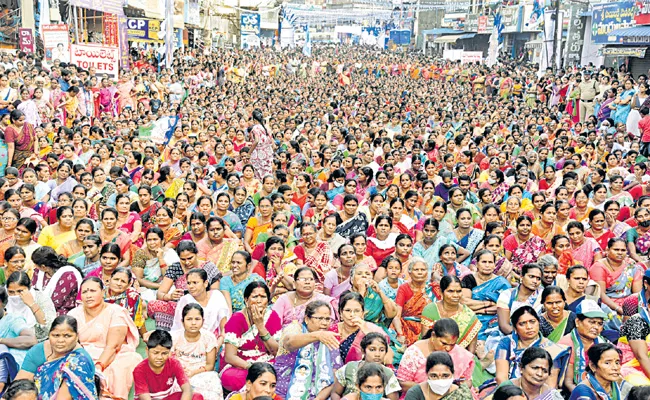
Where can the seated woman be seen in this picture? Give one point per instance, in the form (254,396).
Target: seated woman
(374,347)
(536,365)
(278,266)
(54,276)
(589,325)
(217,248)
(481,291)
(337,281)
(110,336)
(585,250)
(638,238)
(291,306)
(618,276)
(308,355)
(36,307)
(89,261)
(411,300)
(603,378)
(172,227)
(440,370)
(120,291)
(371,382)
(251,335)
(212,301)
(448,254)
(110,234)
(16,334)
(526,293)
(150,263)
(546,227)
(522,246)
(352,328)
(380,309)
(25,231)
(260,383)
(110,256)
(174,284)
(598,229)
(578,285)
(315,254)
(196,349)
(466,235)
(61,232)
(555,321)
(389,285)
(360,243)
(450,306)
(235,284)
(73,249)
(443,337)
(382,243)
(60,366)
(525,322)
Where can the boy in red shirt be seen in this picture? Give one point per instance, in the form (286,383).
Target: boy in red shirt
(159,376)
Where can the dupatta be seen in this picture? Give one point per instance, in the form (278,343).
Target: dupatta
(76,370)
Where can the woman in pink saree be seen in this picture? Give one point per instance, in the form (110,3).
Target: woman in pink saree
(109,335)
(585,250)
(261,148)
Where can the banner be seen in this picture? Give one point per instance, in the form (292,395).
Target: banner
(471,57)
(123,43)
(110,30)
(104,59)
(179,11)
(56,41)
(638,52)
(143,30)
(608,17)
(575,36)
(250,29)
(26,40)
(145,132)
(642,15)
(510,16)
(482,26)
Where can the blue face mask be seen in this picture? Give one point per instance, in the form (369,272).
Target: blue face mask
(368,396)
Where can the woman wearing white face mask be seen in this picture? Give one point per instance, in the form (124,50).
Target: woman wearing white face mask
(36,307)
(440,381)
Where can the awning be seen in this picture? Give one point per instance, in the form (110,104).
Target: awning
(441,31)
(616,51)
(534,44)
(637,31)
(447,39)
(467,36)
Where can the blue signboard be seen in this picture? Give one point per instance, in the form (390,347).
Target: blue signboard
(608,17)
(401,37)
(250,29)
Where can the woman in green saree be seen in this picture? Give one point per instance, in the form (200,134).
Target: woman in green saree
(556,321)
(450,307)
(380,309)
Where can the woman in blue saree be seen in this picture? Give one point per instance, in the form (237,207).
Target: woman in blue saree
(60,366)
(467,237)
(481,290)
(602,381)
(305,363)
(624,103)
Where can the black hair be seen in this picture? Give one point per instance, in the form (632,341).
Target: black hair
(529,266)
(160,338)
(20,387)
(19,277)
(92,279)
(189,307)
(255,285)
(350,296)
(371,337)
(445,327)
(447,280)
(258,369)
(310,309)
(640,392)
(596,351)
(533,353)
(549,290)
(186,245)
(440,358)
(507,392)
(518,313)
(302,269)
(368,370)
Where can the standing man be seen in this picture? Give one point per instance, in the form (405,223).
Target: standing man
(588,91)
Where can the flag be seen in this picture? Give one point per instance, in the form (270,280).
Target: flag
(306,48)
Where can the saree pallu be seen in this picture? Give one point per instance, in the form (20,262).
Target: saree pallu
(23,144)
(76,370)
(468,323)
(527,252)
(221,254)
(489,291)
(411,316)
(356,224)
(508,349)
(131,301)
(622,286)
(470,242)
(350,348)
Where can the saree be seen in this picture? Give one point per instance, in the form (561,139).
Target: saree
(93,336)
(350,348)
(76,370)
(319,260)
(508,349)
(412,305)
(489,291)
(131,301)
(586,251)
(468,324)
(24,143)
(257,229)
(356,224)
(245,211)
(220,254)
(470,242)
(578,353)
(236,291)
(524,253)
(303,373)
(618,283)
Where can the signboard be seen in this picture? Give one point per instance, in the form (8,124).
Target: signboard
(483,26)
(143,30)
(608,17)
(471,23)
(26,40)
(110,30)
(250,28)
(510,16)
(123,43)
(104,59)
(642,15)
(56,41)
(105,6)
(575,35)
(638,52)
(471,57)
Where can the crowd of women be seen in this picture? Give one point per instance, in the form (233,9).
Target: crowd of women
(355,225)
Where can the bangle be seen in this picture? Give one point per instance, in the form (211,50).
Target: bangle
(32,305)
(266,337)
(101,364)
(249,365)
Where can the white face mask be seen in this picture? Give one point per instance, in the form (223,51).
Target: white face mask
(440,386)
(492,181)
(337,184)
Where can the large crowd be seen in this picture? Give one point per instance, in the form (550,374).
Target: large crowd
(356,225)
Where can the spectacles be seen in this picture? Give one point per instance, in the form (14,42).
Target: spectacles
(322,319)
(9,219)
(305,280)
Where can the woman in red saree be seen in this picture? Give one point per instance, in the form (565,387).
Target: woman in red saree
(21,140)
(381,244)
(411,300)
